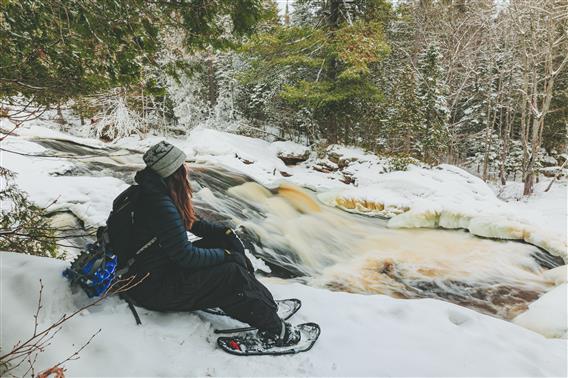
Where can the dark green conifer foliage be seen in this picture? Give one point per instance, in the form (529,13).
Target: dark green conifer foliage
(327,58)
(433,111)
(52,50)
(23,226)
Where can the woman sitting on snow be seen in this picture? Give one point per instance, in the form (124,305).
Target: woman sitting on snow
(186,276)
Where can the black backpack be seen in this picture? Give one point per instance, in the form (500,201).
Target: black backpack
(119,235)
(102,263)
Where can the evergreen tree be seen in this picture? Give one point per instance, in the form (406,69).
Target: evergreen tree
(52,50)
(327,56)
(433,113)
(407,120)
(398,119)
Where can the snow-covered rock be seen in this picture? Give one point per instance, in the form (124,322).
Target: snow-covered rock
(548,161)
(362,335)
(545,209)
(290,153)
(251,156)
(358,166)
(89,198)
(554,171)
(548,314)
(343,155)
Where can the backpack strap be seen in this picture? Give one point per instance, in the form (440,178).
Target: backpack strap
(132,260)
(130,302)
(103,238)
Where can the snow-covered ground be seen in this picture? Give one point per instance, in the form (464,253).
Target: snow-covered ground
(362,335)
(549,209)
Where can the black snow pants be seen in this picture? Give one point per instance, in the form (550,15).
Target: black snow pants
(228,286)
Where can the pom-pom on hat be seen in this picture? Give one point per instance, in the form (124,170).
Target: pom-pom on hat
(164,158)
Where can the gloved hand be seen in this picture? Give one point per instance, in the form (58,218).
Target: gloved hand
(239,258)
(233,242)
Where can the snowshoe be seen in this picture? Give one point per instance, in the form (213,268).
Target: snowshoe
(253,344)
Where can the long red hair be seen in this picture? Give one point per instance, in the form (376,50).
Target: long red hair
(181,193)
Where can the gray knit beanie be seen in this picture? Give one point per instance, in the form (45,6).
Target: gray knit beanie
(164,158)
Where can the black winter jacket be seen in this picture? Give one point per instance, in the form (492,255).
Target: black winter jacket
(158,216)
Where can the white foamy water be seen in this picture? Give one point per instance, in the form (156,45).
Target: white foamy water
(359,254)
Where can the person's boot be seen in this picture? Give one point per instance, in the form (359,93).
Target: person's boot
(287,336)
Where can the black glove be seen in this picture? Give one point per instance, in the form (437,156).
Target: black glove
(239,258)
(233,242)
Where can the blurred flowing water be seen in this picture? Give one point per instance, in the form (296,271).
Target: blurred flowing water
(299,237)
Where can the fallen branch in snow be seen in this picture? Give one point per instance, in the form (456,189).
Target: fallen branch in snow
(28,350)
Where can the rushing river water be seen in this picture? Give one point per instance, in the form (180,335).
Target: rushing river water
(299,237)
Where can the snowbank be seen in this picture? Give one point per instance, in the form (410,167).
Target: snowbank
(247,155)
(254,157)
(545,208)
(89,198)
(362,335)
(447,197)
(21,164)
(43,128)
(264,161)
(547,315)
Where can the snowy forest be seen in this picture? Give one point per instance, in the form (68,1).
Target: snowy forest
(399,166)
(481,84)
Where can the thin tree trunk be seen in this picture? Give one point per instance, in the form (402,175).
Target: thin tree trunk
(60,118)
(488,130)
(505,147)
(211,83)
